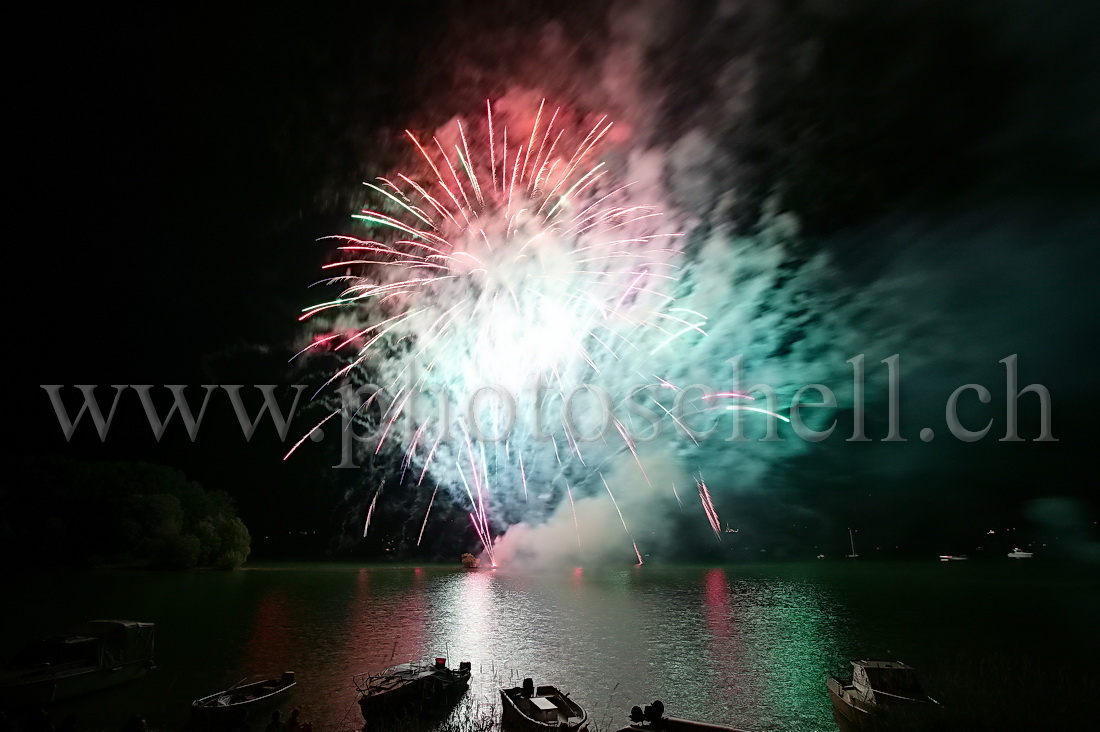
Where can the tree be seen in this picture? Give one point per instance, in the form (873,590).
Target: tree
(67,512)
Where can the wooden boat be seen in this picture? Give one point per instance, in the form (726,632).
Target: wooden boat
(531,709)
(241,704)
(878,690)
(653,718)
(95,655)
(411,687)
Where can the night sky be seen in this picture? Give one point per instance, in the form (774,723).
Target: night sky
(174,167)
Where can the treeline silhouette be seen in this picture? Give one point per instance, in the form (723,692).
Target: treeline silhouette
(60,512)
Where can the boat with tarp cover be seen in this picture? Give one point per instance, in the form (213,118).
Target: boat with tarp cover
(94,655)
(411,687)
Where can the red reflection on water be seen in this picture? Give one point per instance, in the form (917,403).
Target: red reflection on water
(270,646)
(717,589)
(725,646)
(578,575)
(385,628)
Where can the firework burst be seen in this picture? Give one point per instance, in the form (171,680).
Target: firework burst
(511,260)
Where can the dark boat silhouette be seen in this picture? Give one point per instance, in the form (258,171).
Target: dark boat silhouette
(411,687)
(241,704)
(652,719)
(95,655)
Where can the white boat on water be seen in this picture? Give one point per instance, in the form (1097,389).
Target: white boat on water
(528,708)
(1018,554)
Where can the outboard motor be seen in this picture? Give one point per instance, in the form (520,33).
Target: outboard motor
(528,688)
(464,666)
(651,714)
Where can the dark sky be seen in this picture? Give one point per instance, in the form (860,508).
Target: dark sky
(172,168)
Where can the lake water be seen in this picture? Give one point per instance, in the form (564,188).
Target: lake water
(745,645)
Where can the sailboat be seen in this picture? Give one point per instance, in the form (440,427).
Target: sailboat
(853,555)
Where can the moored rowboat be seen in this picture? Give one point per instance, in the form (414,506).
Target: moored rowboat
(241,704)
(531,709)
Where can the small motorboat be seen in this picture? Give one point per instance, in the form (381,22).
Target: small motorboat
(878,690)
(652,717)
(417,686)
(95,655)
(528,708)
(241,704)
(1017,553)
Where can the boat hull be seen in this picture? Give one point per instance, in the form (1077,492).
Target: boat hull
(844,703)
(47,687)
